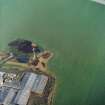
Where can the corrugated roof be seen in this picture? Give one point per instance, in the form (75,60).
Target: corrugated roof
(40,84)
(23,95)
(30,82)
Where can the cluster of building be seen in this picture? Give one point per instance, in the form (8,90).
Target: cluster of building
(17,92)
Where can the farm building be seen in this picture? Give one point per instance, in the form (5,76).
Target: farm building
(30,82)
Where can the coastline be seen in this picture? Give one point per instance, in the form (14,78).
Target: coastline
(51,85)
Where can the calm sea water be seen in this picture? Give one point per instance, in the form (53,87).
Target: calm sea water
(75,31)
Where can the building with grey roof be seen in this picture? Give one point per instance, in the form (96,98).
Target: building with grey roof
(9,97)
(40,84)
(30,82)
(23,94)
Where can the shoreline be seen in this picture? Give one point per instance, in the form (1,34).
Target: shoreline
(51,85)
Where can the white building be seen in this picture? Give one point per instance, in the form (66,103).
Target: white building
(1,78)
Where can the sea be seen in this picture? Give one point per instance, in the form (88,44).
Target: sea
(74,30)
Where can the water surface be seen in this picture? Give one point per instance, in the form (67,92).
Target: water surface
(75,31)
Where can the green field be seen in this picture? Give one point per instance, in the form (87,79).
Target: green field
(75,31)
